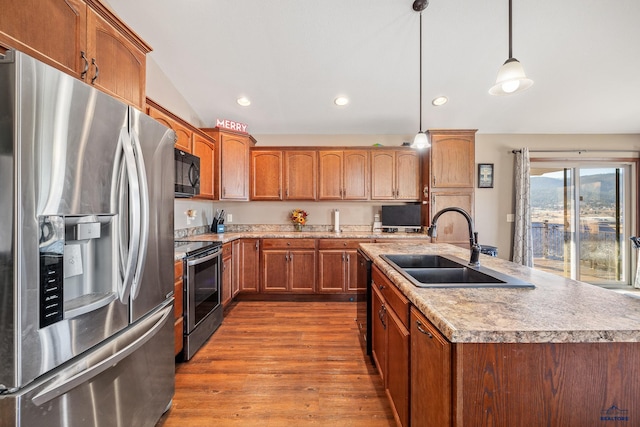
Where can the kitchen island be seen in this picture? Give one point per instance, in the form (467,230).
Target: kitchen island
(564,353)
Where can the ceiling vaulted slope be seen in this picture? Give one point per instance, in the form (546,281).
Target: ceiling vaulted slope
(293,57)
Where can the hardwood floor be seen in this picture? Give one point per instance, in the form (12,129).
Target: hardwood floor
(281,364)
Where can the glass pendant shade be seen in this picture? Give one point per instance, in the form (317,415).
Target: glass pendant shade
(420,140)
(511,79)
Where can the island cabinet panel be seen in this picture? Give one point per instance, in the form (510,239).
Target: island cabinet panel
(337,265)
(266,175)
(248,265)
(430,374)
(300,172)
(379,333)
(391,342)
(564,384)
(288,265)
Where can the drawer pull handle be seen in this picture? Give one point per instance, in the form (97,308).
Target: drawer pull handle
(419,326)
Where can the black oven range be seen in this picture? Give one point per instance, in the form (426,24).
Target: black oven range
(202,289)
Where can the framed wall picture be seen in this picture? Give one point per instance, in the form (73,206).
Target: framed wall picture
(485,175)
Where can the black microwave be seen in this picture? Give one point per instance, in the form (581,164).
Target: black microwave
(187,183)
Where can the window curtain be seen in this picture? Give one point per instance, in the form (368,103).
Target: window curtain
(522,251)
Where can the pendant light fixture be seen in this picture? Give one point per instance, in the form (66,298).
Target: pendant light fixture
(420,140)
(511,77)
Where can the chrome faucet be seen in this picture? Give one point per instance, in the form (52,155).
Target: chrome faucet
(474,261)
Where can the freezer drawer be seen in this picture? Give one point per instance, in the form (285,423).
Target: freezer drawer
(130,388)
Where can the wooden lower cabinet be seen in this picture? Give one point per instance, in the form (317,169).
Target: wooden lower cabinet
(178,294)
(338,265)
(430,374)
(236,248)
(227,274)
(289,265)
(248,265)
(391,342)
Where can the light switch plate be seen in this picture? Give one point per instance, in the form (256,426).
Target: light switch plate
(511,217)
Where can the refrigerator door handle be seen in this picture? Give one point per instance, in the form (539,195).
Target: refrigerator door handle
(134,212)
(143,198)
(64,385)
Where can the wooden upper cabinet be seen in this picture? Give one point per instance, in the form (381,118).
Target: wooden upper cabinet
(343,175)
(395,175)
(183,132)
(234,167)
(407,175)
(117,65)
(266,175)
(382,175)
(300,171)
(205,149)
(83,39)
(452,158)
(330,180)
(356,175)
(232,163)
(53,31)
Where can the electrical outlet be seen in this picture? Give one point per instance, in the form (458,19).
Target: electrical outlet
(511,217)
(229,218)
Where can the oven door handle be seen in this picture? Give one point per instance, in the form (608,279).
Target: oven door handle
(204,259)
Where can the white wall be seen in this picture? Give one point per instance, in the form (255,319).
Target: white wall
(491,204)
(161,90)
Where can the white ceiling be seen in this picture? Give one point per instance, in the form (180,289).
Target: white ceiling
(293,57)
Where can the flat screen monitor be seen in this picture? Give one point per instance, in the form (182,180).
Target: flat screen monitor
(401,216)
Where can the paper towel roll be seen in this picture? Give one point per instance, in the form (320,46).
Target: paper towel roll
(336,221)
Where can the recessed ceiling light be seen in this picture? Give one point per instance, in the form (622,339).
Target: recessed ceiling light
(244,101)
(341,100)
(440,100)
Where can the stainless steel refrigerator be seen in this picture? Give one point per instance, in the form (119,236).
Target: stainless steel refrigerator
(86,254)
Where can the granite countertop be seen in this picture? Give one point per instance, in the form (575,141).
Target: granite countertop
(557,310)
(230,236)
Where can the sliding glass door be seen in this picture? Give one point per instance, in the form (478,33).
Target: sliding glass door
(581,220)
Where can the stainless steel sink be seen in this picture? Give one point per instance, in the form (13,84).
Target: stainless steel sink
(421,261)
(443,271)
